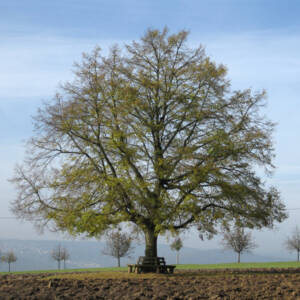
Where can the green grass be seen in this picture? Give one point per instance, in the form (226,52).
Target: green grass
(68,270)
(290,264)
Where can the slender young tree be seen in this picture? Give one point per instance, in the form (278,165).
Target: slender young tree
(118,245)
(57,254)
(293,242)
(65,255)
(238,240)
(176,246)
(151,135)
(9,258)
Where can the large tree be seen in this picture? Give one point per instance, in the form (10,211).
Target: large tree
(151,135)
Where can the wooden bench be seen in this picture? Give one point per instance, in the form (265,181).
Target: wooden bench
(151,264)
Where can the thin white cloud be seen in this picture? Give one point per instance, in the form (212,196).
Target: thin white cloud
(257,58)
(33,66)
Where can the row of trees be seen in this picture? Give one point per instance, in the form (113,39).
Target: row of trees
(119,245)
(237,240)
(240,241)
(59,254)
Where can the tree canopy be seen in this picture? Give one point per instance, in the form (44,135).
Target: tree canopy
(150,134)
(176,244)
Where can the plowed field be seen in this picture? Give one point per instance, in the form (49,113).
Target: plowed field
(208,284)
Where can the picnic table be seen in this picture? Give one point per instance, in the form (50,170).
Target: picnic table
(151,264)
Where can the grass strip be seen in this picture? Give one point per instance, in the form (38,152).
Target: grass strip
(290,264)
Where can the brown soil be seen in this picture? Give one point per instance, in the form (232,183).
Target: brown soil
(213,284)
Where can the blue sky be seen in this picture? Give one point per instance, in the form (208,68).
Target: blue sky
(258,40)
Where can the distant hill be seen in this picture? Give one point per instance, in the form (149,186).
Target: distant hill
(35,255)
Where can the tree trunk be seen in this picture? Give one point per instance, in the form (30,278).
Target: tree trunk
(298,257)
(151,243)
(119,264)
(177,258)
(8,267)
(239,257)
